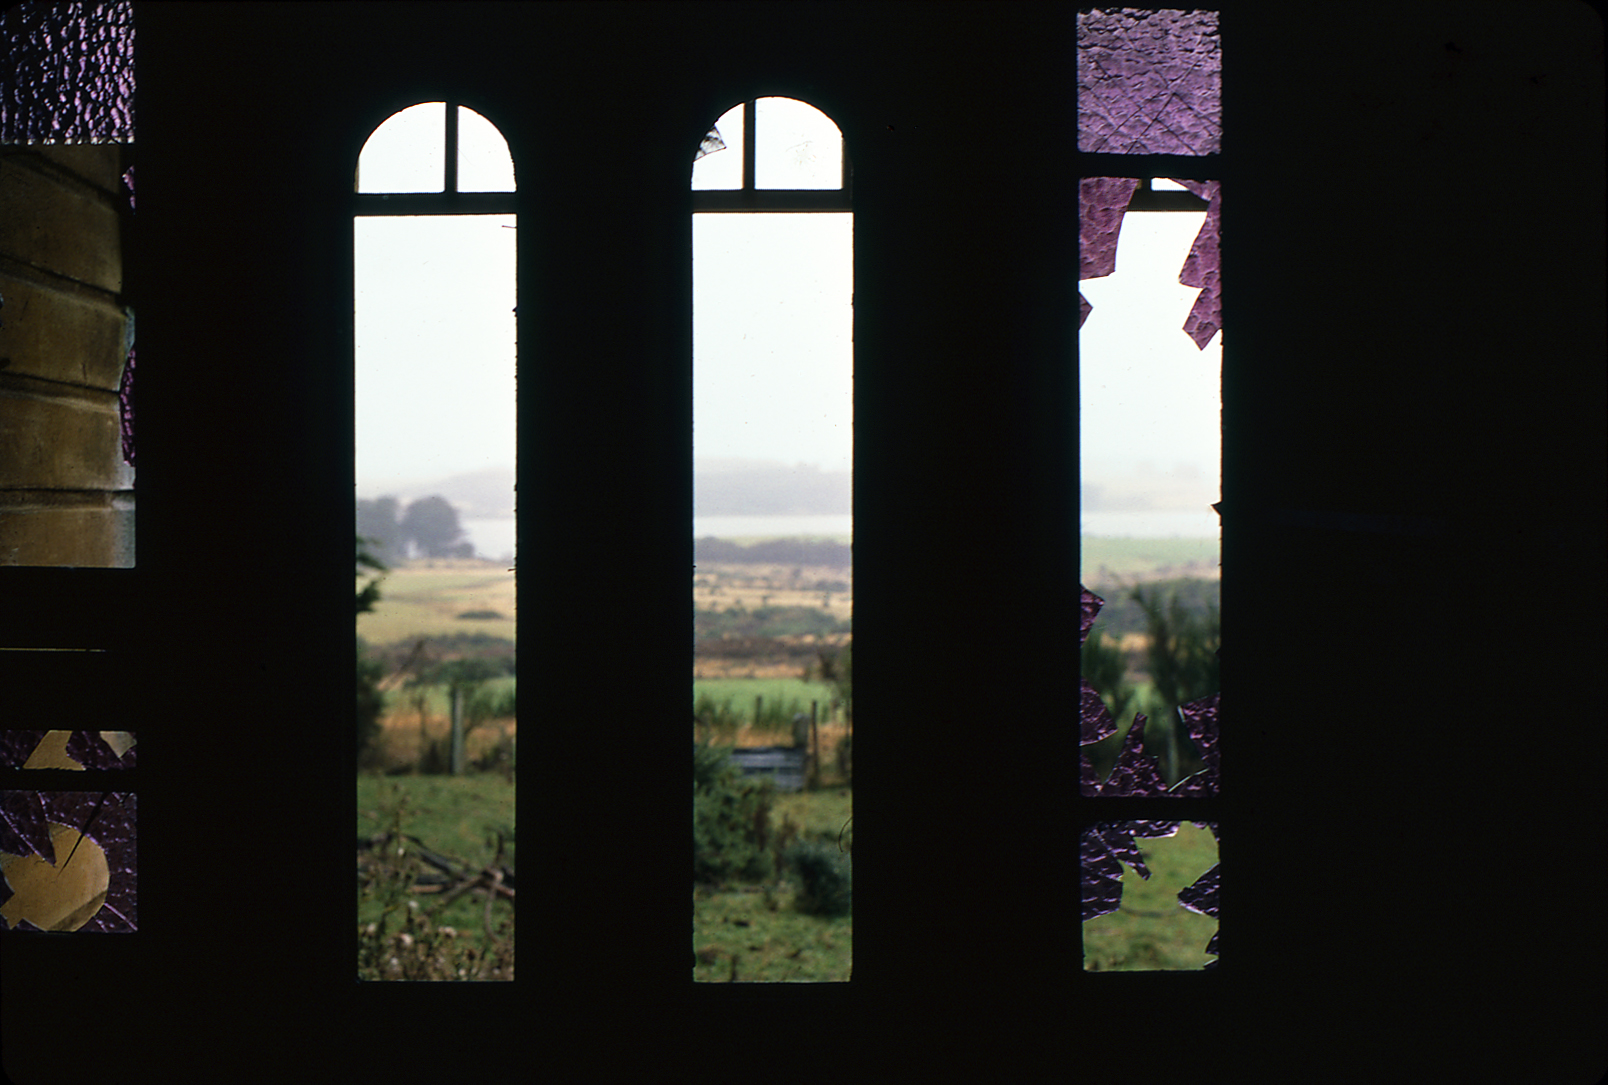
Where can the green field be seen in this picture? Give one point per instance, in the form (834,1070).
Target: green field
(742,692)
(425,599)
(1108,560)
(1166,936)
(753,934)
(399,702)
(455,816)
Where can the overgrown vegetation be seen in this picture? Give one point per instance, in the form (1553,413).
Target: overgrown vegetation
(403,936)
(795,924)
(738,622)
(731,833)
(1177,664)
(826,878)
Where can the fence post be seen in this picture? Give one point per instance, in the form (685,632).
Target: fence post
(815,746)
(457,732)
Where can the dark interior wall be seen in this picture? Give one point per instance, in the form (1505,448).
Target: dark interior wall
(1414,279)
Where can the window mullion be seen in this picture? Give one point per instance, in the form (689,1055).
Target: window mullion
(449,182)
(748,146)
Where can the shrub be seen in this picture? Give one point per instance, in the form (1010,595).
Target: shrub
(826,878)
(730,821)
(370,703)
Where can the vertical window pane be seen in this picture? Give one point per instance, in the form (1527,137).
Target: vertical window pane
(435,456)
(1149,82)
(1149,399)
(1149,896)
(435,348)
(1150,408)
(406,153)
(772,435)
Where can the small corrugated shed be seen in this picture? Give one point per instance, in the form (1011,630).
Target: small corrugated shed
(785,765)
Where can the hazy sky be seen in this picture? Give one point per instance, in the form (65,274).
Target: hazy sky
(435,348)
(773,333)
(773,324)
(1149,398)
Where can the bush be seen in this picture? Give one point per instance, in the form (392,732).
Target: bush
(730,821)
(826,878)
(370,703)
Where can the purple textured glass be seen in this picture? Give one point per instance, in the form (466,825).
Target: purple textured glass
(1149,82)
(1202,266)
(1104,848)
(68,73)
(1102,201)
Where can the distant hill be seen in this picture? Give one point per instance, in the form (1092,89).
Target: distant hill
(478,495)
(768,488)
(721,487)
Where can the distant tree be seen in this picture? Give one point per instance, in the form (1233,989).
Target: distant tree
(370,701)
(378,523)
(1183,661)
(367,562)
(835,669)
(1106,668)
(432,525)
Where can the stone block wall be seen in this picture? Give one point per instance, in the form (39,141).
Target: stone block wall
(66,494)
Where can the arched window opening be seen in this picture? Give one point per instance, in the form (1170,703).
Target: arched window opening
(773,454)
(434,371)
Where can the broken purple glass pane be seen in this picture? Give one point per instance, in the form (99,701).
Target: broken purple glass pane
(1102,201)
(68,75)
(1149,82)
(1201,268)
(1104,848)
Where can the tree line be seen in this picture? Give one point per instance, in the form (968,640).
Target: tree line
(794,552)
(428,527)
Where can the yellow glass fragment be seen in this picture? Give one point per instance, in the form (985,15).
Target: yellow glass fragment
(52,899)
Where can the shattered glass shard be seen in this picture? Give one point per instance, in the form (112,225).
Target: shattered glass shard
(710,144)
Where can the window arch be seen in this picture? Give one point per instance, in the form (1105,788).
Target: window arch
(773,373)
(434,248)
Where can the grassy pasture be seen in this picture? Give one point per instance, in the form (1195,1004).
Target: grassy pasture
(455,816)
(742,692)
(1109,561)
(399,702)
(753,934)
(424,598)
(1167,936)
(719,586)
